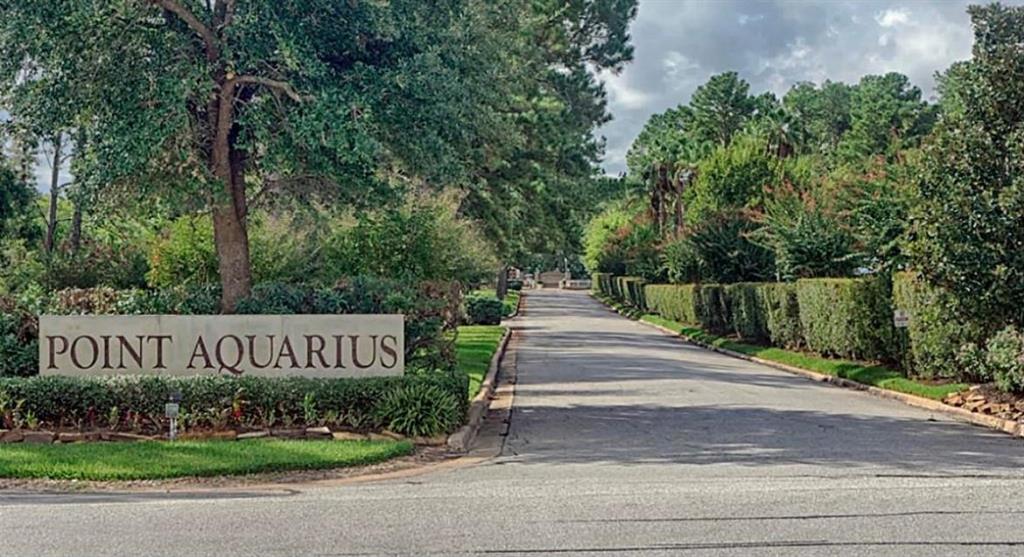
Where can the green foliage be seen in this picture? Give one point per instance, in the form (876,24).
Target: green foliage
(713,309)
(602,284)
(748,310)
(886,114)
(219,402)
(721,107)
(733,177)
(630,291)
(847,318)
(1004,358)
(424,240)
(677,302)
(483,310)
(16,200)
(966,234)
(420,409)
(822,112)
(936,330)
(726,252)
(807,237)
(782,310)
(681,261)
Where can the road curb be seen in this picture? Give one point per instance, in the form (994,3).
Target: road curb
(991,422)
(462,439)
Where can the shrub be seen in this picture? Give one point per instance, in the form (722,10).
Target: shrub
(1004,359)
(484,310)
(848,318)
(514,284)
(748,311)
(782,314)
(19,345)
(725,251)
(677,302)
(937,327)
(420,409)
(630,291)
(680,261)
(713,309)
(602,283)
(436,402)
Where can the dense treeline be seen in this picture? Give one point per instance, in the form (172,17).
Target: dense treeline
(231,141)
(847,180)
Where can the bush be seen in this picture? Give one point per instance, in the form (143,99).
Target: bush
(434,403)
(484,310)
(782,314)
(847,318)
(677,302)
(681,262)
(1004,359)
(937,327)
(514,284)
(713,309)
(725,251)
(602,284)
(19,344)
(748,310)
(630,291)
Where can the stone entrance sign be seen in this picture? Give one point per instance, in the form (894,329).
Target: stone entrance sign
(260,345)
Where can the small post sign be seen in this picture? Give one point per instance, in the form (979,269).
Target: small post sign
(901,318)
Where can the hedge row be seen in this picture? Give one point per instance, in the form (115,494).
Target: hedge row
(849,318)
(430,309)
(415,404)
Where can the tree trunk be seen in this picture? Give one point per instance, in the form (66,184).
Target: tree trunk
(230,233)
(502,287)
(75,236)
(51,218)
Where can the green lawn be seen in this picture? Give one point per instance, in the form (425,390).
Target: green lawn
(868,374)
(474,348)
(151,460)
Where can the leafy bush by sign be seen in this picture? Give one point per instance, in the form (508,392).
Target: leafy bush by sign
(424,404)
(484,310)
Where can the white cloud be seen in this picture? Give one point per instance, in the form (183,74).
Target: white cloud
(621,94)
(893,17)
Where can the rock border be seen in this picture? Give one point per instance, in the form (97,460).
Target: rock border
(461,440)
(1010,427)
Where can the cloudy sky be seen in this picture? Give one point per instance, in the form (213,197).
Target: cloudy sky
(774,44)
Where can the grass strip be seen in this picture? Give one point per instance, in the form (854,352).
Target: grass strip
(156,460)
(474,347)
(865,373)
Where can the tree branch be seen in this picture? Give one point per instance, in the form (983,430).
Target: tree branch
(229,12)
(282,86)
(204,32)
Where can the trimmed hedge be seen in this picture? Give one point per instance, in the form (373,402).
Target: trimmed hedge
(713,309)
(484,310)
(630,291)
(936,330)
(677,302)
(748,310)
(431,404)
(782,314)
(602,284)
(847,318)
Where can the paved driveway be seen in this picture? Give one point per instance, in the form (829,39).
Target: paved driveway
(623,441)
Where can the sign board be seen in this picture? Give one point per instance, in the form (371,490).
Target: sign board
(901,318)
(259,345)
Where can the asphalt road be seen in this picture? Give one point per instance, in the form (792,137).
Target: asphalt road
(623,441)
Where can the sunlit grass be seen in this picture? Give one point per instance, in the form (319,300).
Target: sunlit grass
(151,460)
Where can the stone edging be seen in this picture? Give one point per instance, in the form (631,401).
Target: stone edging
(462,439)
(1006,426)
